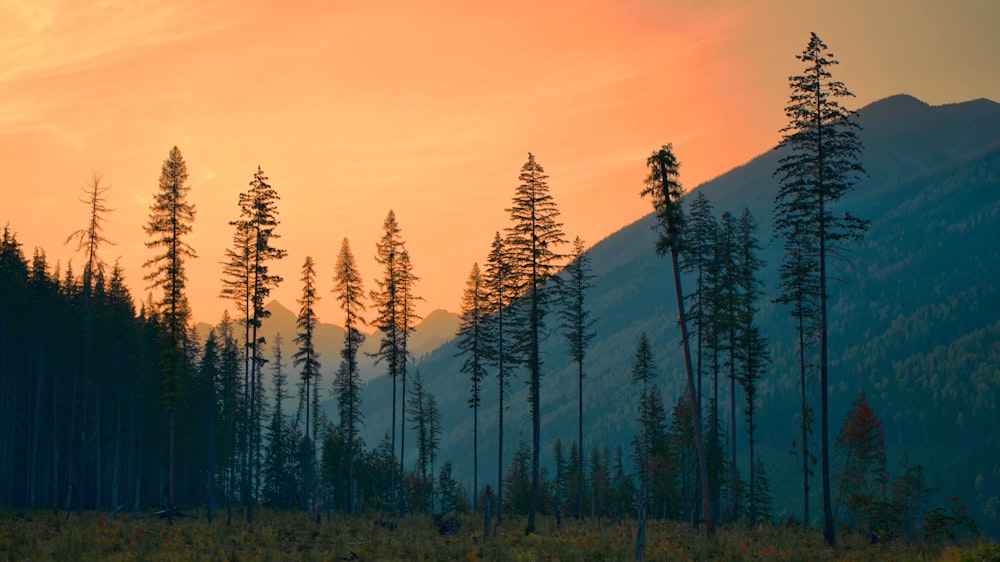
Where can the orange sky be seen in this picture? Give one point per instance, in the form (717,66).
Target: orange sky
(428,108)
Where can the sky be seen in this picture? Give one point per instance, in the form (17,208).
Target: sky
(426,108)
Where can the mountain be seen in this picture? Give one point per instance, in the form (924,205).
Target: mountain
(914,324)
(437,328)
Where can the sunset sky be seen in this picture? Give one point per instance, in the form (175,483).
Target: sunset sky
(426,108)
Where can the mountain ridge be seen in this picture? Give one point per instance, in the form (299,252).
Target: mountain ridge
(431,332)
(929,167)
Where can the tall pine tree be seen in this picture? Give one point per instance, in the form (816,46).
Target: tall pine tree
(821,164)
(665,190)
(578,328)
(306,358)
(471,341)
(170,221)
(534,239)
(502,287)
(752,347)
(349,291)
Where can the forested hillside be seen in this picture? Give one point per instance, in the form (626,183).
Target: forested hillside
(914,325)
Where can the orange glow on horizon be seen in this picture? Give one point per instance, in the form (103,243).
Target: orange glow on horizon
(355,108)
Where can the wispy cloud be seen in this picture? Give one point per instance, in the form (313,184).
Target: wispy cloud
(49,37)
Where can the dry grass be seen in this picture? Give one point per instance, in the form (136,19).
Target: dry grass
(291,536)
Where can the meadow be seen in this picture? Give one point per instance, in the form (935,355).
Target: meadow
(42,535)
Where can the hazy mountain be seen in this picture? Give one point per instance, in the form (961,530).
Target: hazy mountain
(914,324)
(437,328)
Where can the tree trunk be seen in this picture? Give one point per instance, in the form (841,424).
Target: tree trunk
(805,425)
(695,414)
(35,430)
(55,446)
(99,476)
(115,503)
(579,428)
(70,439)
(828,531)
(535,408)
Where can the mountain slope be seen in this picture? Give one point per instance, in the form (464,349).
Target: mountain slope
(914,324)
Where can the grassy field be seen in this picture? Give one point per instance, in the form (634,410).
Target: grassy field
(40,535)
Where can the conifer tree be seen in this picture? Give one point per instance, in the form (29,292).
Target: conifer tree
(208,371)
(89,241)
(394,312)
(349,291)
(170,221)
(821,164)
(752,348)
(277,478)
(426,421)
(249,279)
(502,286)
(407,319)
(578,328)
(665,190)
(643,372)
(799,288)
(727,324)
(230,391)
(534,239)
(700,235)
(472,344)
(306,358)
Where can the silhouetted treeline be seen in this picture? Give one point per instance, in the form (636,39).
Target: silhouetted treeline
(68,440)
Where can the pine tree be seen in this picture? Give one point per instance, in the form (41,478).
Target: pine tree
(407,319)
(349,291)
(388,302)
(799,287)
(643,372)
(700,236)
(761,492)
(306,358)
(562,476)
(89,241)
(752,348)
(578,328)
(727,326)
(517,481)
(251,280)
(683,453)
(208,371)
(230,391)
(665,190)
(821,164)
(502,287)
(170,221)
(534,239)
(696,258)
(426,421)
(276,475)
(471,341)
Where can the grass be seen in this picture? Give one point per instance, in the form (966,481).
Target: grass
(41,535)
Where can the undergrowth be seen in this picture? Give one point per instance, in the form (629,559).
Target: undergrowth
(276,535)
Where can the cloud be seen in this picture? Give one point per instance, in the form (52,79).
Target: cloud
(45,38)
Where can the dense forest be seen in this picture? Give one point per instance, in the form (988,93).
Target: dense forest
(117,404)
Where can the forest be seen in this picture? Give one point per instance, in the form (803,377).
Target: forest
(113,404)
